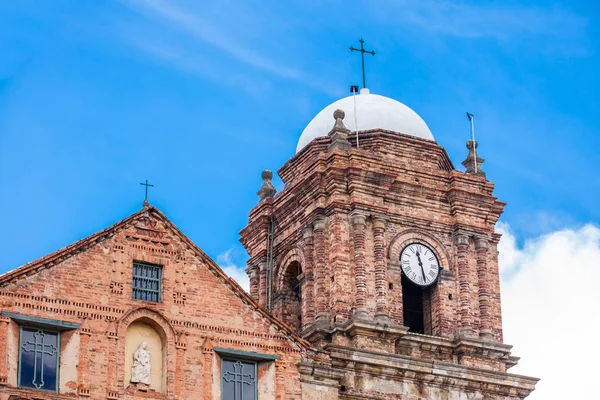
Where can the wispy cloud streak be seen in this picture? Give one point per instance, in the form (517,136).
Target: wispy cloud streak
(209,34)
(497,21)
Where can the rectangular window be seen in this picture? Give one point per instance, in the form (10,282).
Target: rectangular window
(39,353)
(238,380)
(147,282)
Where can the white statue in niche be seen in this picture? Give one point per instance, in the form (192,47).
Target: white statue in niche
(140,371)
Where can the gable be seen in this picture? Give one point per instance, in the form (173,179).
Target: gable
(93,278)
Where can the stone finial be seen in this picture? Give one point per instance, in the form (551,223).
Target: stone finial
(469,163)
(267,190)
(339,132)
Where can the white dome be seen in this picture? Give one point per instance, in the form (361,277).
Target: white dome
(374,112)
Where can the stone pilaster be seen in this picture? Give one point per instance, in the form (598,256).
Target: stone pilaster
(340,275)
(320,277)
(4,321)
(381,284)
(207,375)
(485,328)
(308,301)
(358,221)
(180,348)
(253,277)
(465,313)
(113,339)
(84,359)
(280,380)
(262,285)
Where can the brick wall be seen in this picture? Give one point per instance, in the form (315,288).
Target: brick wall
(350,212)
(90,284)
(409,187)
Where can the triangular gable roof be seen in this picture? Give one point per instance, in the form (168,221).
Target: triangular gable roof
(58,256)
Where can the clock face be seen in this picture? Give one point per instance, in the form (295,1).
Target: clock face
(420,264)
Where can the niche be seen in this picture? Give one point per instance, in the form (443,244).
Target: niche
(137,334)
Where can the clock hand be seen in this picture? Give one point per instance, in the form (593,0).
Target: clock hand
(421,265)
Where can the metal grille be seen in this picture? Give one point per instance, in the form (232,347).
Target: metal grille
(238,380)
(38,359)
(147,284)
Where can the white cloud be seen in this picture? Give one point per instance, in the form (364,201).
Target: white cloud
(234,271)
(550,303)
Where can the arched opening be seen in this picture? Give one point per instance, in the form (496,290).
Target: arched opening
(288,299)
(416,307)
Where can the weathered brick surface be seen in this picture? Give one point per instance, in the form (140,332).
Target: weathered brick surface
(364,206)
(90,283)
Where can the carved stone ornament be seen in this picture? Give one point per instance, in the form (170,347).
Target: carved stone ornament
(339,133)
(140,371)
(473,162)
(267,190)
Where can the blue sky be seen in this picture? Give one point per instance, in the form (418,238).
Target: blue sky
(199,97)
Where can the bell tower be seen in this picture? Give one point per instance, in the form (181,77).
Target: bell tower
(384,254)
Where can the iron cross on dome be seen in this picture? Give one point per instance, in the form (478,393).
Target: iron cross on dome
(362,55)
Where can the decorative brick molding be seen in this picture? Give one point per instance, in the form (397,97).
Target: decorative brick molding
(116,287)
(181,340)
(179,298)
(83,391)
(111,330)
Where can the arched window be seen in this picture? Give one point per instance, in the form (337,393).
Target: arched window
(288,299)
(416,306)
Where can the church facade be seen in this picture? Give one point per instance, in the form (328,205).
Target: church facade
(373,275)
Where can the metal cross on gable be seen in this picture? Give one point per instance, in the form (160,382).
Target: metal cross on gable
(362,54)
(38,347)
(146,198)
(239,379)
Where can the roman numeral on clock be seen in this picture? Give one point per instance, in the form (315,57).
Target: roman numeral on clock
(419,264)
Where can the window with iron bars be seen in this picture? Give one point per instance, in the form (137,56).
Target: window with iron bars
(147,282)
(39,359)
(238,380)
